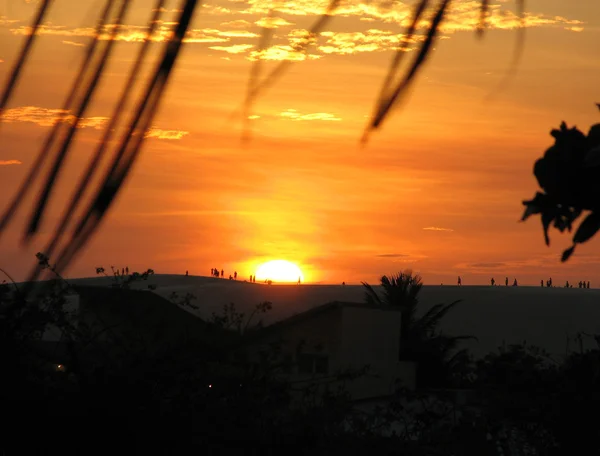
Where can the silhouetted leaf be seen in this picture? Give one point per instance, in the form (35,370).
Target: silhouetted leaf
(588,228)
(546,221)
(567,253)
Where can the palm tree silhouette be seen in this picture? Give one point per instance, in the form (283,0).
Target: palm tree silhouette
(437,354)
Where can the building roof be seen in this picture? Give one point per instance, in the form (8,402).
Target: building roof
(310,314)
(146,313)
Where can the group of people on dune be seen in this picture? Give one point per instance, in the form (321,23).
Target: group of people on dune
(581,284)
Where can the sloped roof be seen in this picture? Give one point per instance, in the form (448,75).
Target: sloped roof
(146,314)
(312,313)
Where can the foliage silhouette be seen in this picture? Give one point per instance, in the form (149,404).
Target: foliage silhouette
(437,354)
(568,175)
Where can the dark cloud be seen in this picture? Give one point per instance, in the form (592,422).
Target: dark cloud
(391,255)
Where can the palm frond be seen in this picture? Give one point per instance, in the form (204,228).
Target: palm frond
(432,318)
(371,296)
(386,105)
(28,182)
(100,151)
(38,211)
(11,84)
(131,142)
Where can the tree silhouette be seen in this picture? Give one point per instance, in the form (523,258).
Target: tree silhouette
(420,339)
(568,174)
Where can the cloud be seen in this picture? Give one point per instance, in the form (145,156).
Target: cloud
(73,43)
(238,34)
(292,114)
(10,162)
(165,134)
(137,33)
(299,45)
(233,49)
(437,228)
(462,15)
(45,117)
(392,255)
(239,23)
(6,21)
(343,43)
(273,22)
(282,53)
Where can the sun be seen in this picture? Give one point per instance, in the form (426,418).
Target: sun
(279,271)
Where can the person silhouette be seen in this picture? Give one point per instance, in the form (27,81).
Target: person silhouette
(580,283)
(222,273)
(187,273)
(515,283)
(230,278)
(212,272)
(506,281)
(567,284)
(235,275)
(493,282)
(550,282)
(343,283)
(298,280)
(127,270)
(459,281)
(542,283)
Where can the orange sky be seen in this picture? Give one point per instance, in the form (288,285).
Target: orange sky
(438,190)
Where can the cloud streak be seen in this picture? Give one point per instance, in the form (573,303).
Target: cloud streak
(10,162)
(159,133)
(437,228)
(45,117)
(294,115)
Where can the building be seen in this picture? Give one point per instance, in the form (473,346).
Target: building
(319,345)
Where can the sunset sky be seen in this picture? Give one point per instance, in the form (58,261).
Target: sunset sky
(438,189)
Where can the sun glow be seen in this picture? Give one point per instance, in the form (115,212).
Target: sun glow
(279,271)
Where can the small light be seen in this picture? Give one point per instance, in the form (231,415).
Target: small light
(210,386)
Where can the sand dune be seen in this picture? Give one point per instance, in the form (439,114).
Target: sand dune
(539,316)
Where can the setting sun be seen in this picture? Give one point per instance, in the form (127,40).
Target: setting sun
(279,271)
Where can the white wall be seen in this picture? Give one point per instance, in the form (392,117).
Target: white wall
(371,336)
